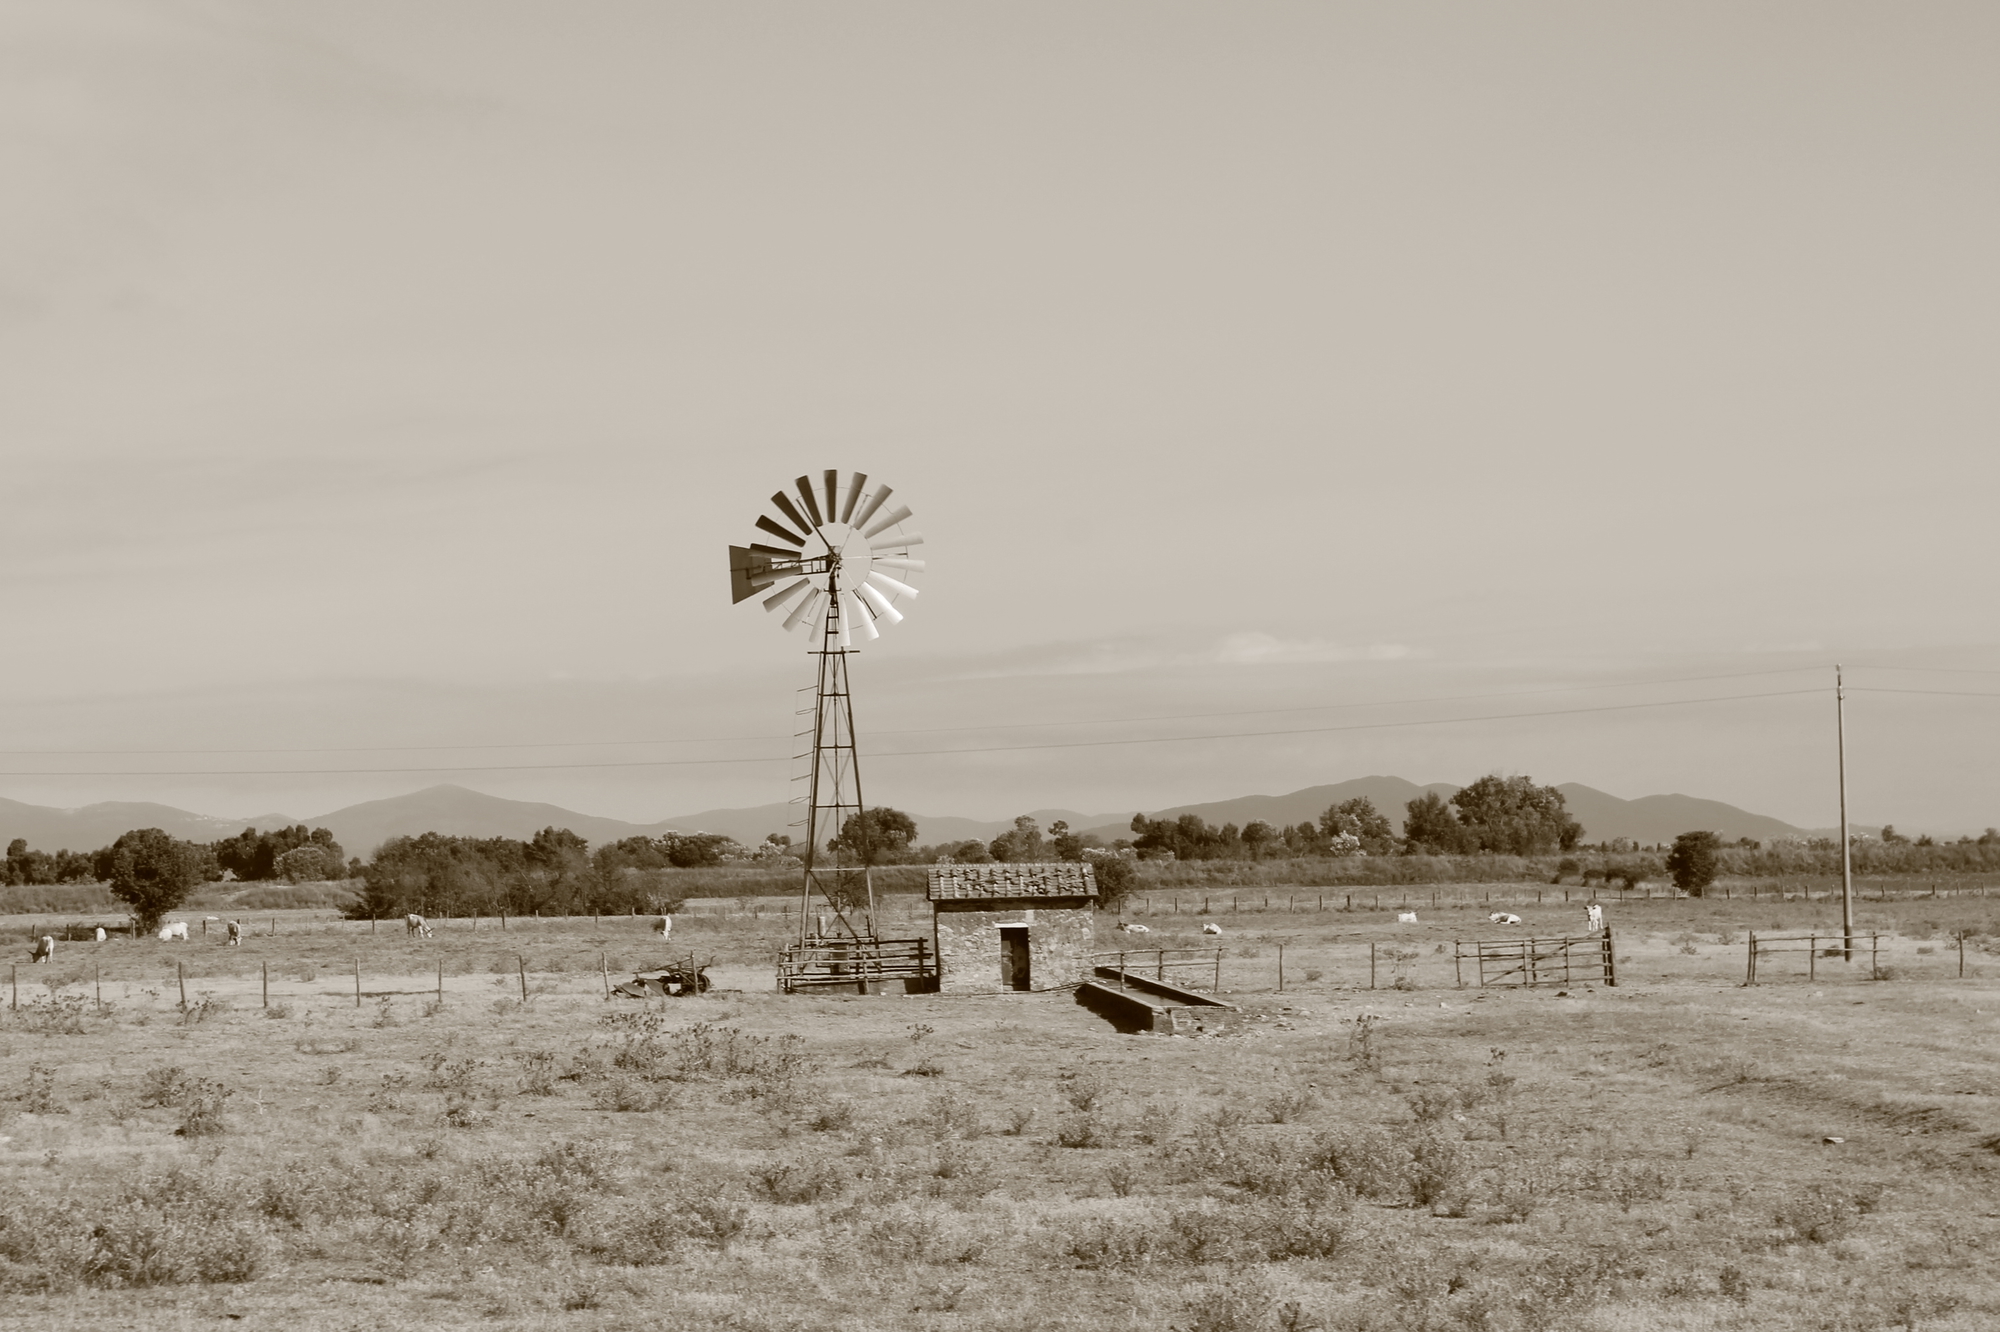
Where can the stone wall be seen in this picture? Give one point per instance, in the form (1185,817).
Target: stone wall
(1060,933)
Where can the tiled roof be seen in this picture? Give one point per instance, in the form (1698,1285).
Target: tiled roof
(1058,880)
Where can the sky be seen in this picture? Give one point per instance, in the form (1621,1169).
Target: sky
(381,385)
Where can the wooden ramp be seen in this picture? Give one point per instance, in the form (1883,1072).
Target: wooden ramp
(1135,1003)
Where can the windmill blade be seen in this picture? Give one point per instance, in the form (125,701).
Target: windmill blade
(854,484)
(896,562)
(790,510)
(779,531)
(861,618)
(898,542)
(778,556)
(812,504)
(869,505)
(832,480)
(884,524)
(749,574)
(806,610)
(846,620)
(785,594)
(880,603)
(883,580)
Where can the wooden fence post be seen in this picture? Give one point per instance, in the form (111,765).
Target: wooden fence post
(605,967)
(180,975)
(1371,965)
(1218,971)
(1812,957)
(1281,968)
(357,982)
(97,976)
(521,963)
(267,985)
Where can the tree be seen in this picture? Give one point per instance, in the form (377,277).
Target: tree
(1021,844)
(152,873)
(308,864)
(1359,818)
(1115,879)
(876,835)
(1430,826)
(1511,816)
(1066,844)
(1692,861)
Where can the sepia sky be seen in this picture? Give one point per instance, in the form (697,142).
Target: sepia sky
(380,385)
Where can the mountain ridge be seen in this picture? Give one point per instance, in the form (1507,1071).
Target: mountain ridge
(459,811)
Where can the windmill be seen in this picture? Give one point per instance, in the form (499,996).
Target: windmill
(833,562)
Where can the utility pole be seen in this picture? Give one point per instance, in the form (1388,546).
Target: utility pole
(1846,847)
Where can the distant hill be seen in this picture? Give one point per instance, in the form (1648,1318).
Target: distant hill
(1647,820)
(1390,794)
(93,826)
(1661,818)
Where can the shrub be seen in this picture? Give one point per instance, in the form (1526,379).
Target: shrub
(1290,1106)
(1440,1172)
(1366,1159)
(202,1104)
(1822,1213)
(800,1180)
(1083,1128)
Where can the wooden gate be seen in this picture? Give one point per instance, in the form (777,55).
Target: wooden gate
(1582,960)
(865,965)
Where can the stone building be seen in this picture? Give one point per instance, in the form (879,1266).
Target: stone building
(1012,927)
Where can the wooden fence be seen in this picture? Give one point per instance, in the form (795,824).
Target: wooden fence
(855,964)
(1811,944)
(1188,965)
(1578,960)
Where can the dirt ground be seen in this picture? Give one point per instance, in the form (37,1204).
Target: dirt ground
(1680,1152)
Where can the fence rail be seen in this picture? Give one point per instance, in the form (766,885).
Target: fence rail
(1159,962)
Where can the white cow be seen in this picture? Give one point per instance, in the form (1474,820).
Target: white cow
(1406,917)
(45,949)
(235,939)
(100,934)
(1504,918)
(1134,927)
(1211,928)
(413,924)
(665,929)
(1593,918)
(174,930)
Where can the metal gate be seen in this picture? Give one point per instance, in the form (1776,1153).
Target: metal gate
(1581,960)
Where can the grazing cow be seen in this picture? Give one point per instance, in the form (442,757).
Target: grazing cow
(1406,917)
(174,930)
(1593,918)
(45,949)
(1134,927)
(665,929)
(100,934)
(1504,918)
(235,939)
(413,924)
(1211,928)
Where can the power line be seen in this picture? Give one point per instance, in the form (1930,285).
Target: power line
(921,753)
(1937,693)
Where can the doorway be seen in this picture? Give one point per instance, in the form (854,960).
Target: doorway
(1013,957)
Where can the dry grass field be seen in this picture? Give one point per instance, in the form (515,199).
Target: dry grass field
(1418,1156)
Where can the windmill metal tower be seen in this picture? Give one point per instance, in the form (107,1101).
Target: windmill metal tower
(829,578)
